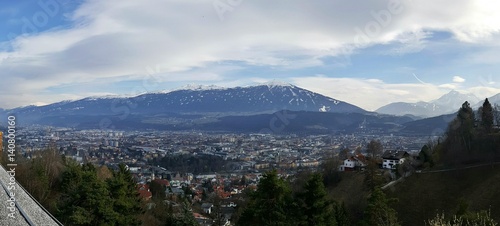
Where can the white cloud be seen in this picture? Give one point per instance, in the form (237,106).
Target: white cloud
(452,86)
(483,92)
(368,93)
(118,39)
(410,42)
(458,79)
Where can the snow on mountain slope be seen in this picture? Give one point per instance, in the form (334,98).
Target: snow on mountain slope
(195,99)
(446,104)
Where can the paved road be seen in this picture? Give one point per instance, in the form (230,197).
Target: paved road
(27,212)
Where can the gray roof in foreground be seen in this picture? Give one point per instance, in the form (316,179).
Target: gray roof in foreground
(33,211)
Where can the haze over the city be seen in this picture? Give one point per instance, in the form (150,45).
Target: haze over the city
(365,53)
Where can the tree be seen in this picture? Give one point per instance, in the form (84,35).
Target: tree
(403,170)
(487,117)
(185,218)
(341,215)
(373,178)
(344,153)
(357,151)
(103,173)
(330,171)
(217,214)
(157,190)
(378,211)
(316,207)
(85,199)
(35,179)
(374,148)
(126,201)
(270,203)
(40,176)
(466,124)
(496,114)
(459,135)
(159,212)
(243,180)
(425,156)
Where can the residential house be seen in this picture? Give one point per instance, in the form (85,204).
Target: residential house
(207,207)
(354,162)
(391,158)
(202,220)
(228,214)
(144,192)
(348,165)
(175,191)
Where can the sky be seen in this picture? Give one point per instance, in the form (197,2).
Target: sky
(367,53)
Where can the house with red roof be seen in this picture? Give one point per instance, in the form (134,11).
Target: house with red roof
(144,192)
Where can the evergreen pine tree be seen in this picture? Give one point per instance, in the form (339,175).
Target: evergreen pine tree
(372,177)
(126,201)
(270,204)
(378,212)
(466,127)
(85,199)
(341,215)
(487,116)
(316,207)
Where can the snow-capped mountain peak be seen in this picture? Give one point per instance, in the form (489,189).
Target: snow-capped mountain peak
(275,83)
(199,99)
(97,97)
(195,87)
(191,87)
(455,99)
(446,104)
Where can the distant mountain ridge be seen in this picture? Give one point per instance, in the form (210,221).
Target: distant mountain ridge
(243,109)
(437,125)
(446,104)
(252,99)
(494,100)
(263,98)
(296,122)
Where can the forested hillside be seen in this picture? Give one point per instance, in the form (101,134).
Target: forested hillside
(461,172)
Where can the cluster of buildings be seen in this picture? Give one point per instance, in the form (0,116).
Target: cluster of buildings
(389,160)
(245,151)
(246,156)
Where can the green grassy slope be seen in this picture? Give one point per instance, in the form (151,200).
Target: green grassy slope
(421,196)
(350,191)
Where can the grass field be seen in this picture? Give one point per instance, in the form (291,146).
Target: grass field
(422,196)
(351,192)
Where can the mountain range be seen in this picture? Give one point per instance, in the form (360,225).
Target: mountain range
(448,103)
(191,100)
(263,107)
